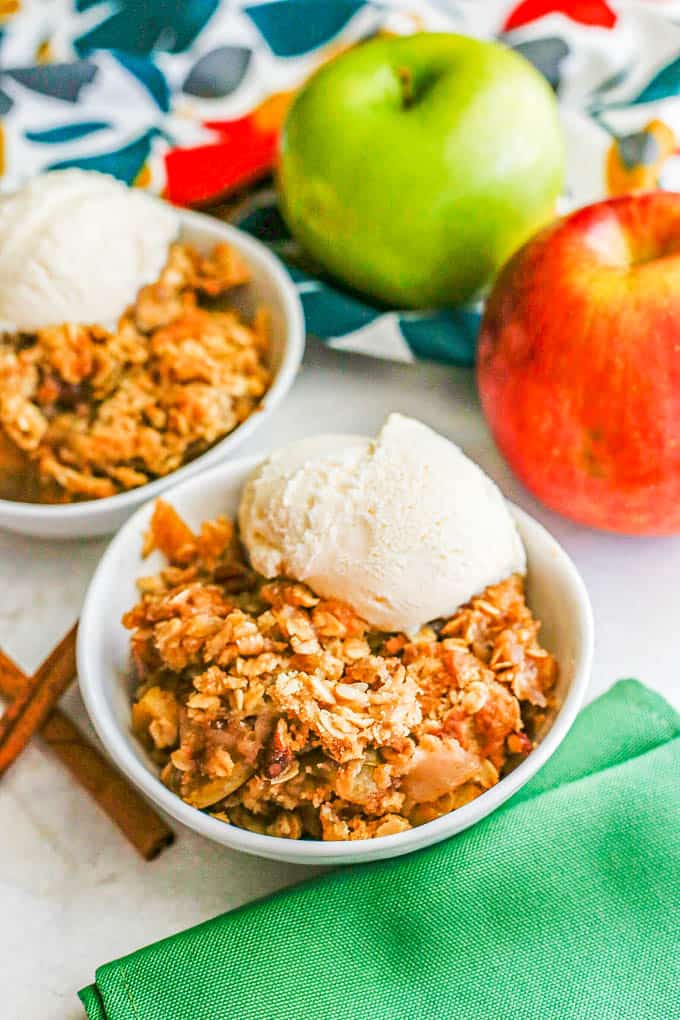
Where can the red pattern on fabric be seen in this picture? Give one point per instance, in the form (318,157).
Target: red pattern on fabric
(586,12)
(240,154)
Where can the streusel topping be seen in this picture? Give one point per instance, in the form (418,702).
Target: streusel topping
(285,714)
(95,413)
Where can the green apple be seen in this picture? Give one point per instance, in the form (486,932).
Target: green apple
(412,167)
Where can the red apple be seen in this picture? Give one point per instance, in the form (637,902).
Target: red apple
(579,364)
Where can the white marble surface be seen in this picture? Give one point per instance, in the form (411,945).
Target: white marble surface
(72,893)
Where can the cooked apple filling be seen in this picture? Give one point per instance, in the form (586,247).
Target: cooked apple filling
(285,714)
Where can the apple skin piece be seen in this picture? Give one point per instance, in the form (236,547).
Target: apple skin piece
(412,167)
(579,365)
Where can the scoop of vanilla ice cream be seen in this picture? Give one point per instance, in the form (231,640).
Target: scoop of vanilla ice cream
(405,528)
(76,246)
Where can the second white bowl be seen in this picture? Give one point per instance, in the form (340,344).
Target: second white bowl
(556,594)
(270,286)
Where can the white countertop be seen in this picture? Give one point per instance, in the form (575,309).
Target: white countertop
(73,894)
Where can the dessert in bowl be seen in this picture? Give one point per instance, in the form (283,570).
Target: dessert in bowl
(138,343)
(303,722)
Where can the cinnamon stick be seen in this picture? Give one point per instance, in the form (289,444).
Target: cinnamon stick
(137,820)
(26,714)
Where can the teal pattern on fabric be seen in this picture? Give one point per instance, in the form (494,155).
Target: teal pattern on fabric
(449,335)
(293,28)
(67,133)
(330,312)
(663,85)
(142,26)
(150,76)
(124,163)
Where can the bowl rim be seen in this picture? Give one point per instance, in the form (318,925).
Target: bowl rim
(319,851)
(293,352)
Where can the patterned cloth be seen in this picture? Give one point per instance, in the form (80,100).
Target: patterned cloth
(186,98)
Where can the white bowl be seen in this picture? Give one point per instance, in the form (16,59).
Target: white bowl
(556,593)
(272,287)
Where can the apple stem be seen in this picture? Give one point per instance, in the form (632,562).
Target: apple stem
(406,81)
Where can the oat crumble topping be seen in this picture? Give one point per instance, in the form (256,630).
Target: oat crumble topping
(95,413)
(285,714)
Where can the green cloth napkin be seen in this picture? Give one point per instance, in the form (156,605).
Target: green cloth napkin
(562,905)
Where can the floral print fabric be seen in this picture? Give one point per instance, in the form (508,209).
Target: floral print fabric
(187,99)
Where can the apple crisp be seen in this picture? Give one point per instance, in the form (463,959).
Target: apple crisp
(285,714)
(91,413)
